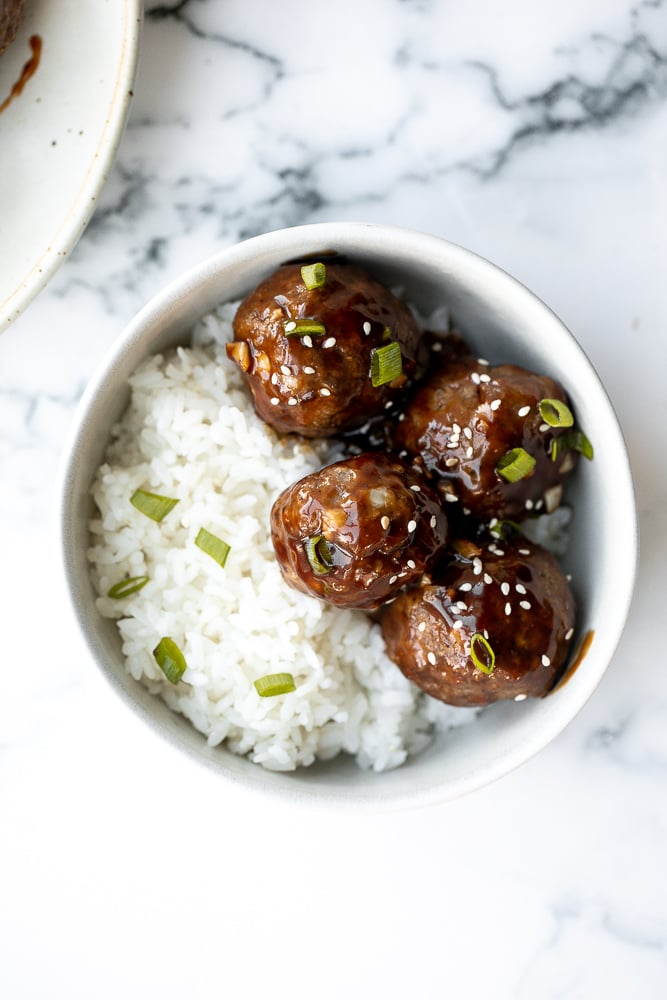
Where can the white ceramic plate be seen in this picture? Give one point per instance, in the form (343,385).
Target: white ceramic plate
(59,137)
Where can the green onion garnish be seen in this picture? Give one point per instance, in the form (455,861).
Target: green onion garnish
(126,587)
(505,528)
(301,327)
(515,465)
(571,441)
(213,546)
(318,553)
(386,364)
(555,413)
(313,275)
(152,504)
(489,662)
(170,660)
(272,684)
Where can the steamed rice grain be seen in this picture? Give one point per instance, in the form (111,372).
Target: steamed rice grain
(190,432)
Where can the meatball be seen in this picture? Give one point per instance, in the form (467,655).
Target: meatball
(321,360)
(357,531)
(11,14)
(469,418)
(495,623)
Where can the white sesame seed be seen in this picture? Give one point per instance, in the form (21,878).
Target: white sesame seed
(307,341)
(292,401)
(526,605)
(329,342)
(524,411)
(421,627)
(388,405)
(367,327)
(497,551)
(465,586)
(433,521)
(546,662)
(488,578)
(450,462)
(543,428)
(486,634)
(456,429)
(285,370)
(539,504)
(474,378)
(411,564)
(307,370)
(505,588)
(451,497)
(457,624)
(274,378)
(484,377)
(568,577)
(431,658)
(569,633)
(466,510)
(520,589)
(495,403)
(393,579)
(477,566)
(324,391)
(520,697)
(461,605)
(289,326)
(385,522)
(529,505)
(524,552)
(469,451)
(508,608)
(412,526)
(482,361)
(468,432)
(274,401)
(416,488)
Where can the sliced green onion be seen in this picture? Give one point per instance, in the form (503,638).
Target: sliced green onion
(126,587)
(313,275)
(489,662)
(272,684)
(318,553)
(170,660)
(386,333)
(213,546)
(515,465)
(505,528)
(152,504)
(572,441)
(386,364)
(301,327)
(555,413)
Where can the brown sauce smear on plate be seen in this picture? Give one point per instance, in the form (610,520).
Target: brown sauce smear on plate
(28,71)
(582,652)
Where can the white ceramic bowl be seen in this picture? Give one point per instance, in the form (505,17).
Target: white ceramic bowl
(504,322)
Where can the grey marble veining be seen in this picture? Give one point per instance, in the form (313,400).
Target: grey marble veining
(533,133)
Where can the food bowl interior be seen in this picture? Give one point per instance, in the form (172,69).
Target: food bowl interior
(503,321)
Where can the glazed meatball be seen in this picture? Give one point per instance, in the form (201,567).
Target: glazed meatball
(11,14)
(357,531)
(495,623)
(322,360)
(469,418)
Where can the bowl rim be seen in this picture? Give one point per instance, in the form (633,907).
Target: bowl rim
(151,316)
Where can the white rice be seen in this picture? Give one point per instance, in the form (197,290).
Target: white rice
(190,432)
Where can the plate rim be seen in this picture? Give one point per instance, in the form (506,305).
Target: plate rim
(79,210)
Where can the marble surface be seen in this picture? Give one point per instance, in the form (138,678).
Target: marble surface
(533,133)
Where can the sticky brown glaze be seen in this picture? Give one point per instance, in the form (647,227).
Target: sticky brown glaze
(320,385)
(382,526)
(465,417)
(512,593)
(11,14)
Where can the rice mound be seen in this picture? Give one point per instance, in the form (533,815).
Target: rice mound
(190,432)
